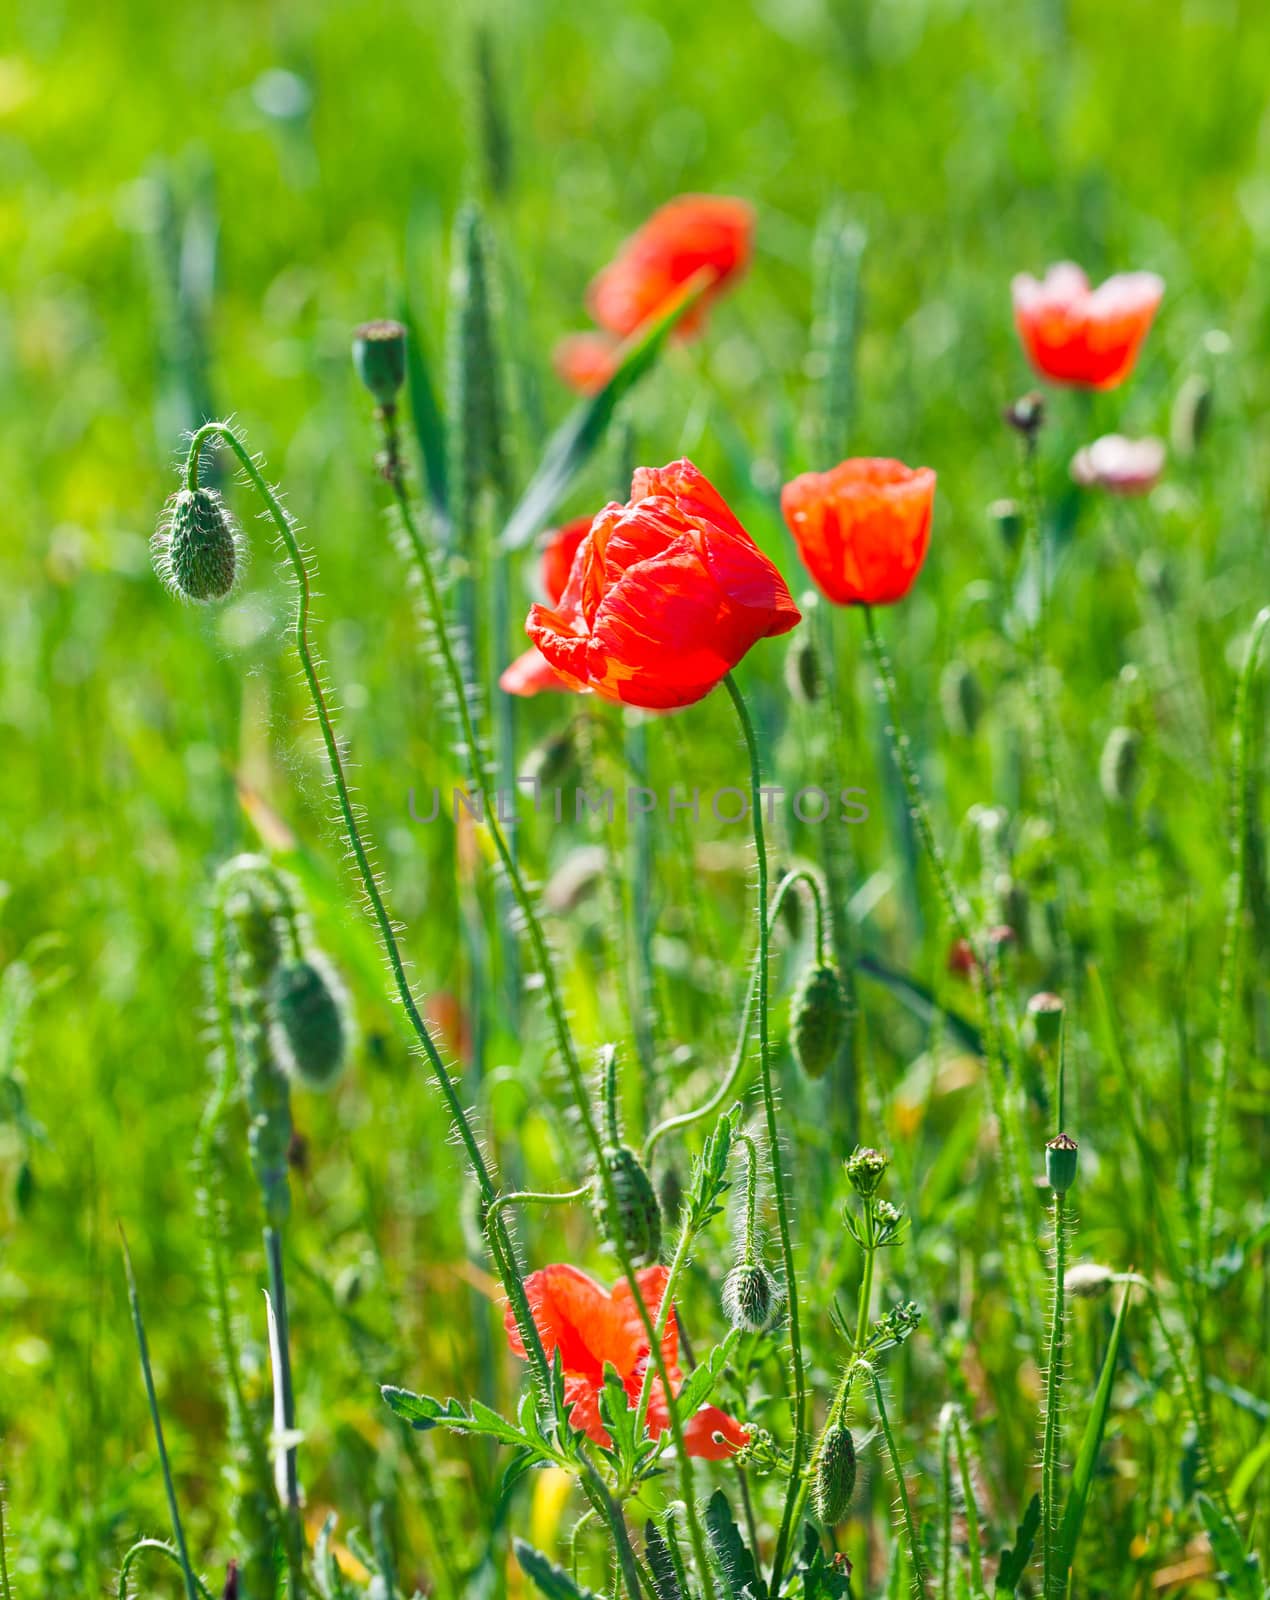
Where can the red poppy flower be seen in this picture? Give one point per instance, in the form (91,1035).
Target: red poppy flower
(1075,334)
(677,241)
(586,361)
(862,528)
(667,593)
(1119,465)
(531,673)
(592,1327)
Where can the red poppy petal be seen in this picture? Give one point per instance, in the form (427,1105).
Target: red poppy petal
(714,1436)
(530,674)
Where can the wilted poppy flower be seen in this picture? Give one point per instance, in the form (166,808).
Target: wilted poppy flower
(531,673)
(862,528)
(666,595)
(592,1328)
(1075,334)
(586,361)
(1123,466)
(687,234)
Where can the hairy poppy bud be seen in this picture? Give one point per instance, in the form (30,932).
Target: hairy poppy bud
(1046,1012)
(803,676)
(1190,416)
(835,1475)
(197,549)
(865,1170)
(310,1017)
(1026,414)
(1119,769)
(751,1297)
(818,1019)
(379,358)
(1088,1280)
(637,1219)
(1061,1156)
(960,698)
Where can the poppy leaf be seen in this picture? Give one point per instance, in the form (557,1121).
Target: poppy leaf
(699,1385)
(546,1576)
(732,1555)
(576,439)
(1091,1443)
(660,1564)
(1014,1562)
(822,1579)
(617,1416)
(423,1413)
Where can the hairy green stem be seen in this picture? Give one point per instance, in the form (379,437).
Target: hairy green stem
(970,1504)
(798,1404)
(897,1470)
(283,1378)
(1054,1580)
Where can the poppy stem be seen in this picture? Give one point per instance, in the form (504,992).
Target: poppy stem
(501,1246)
(798,1403)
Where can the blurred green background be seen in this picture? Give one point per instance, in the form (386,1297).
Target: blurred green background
(196,206)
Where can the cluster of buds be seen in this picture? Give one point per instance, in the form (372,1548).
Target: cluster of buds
(880,1222)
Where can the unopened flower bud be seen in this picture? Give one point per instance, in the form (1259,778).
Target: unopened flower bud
(803,676)
(1061,1156)
(819,1014)
(866,1168)
(961,699)
(1026,414)
(835,1476)
(1046,1012)
(197,549)
(307,1007)
(1087,1281)
(1192,410)
(379,357)
(1008,517)
(1119,768)
(637,1219)
(751,1297)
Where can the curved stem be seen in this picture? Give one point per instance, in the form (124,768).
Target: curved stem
(504,1255)
(798,1404)
(533,1197)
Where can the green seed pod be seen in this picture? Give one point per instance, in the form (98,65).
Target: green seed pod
(379,358)
(197,550)
(310,1018)
(803,675)
(1192,411)
(818,1020)
(1119,769)
(1061,1156)
(751,1297)
(961,699)
(835,1476)
(637,1221)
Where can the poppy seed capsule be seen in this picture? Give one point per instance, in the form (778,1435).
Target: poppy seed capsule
(1061,1156)
(835,1476)
(1119,769)
(379,358)
(197,548)
(751,1297)
(1046,1012)
(637,1223)
(818,1020)
(310,1019)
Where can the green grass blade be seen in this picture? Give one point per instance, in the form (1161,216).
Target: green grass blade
(1091,1443)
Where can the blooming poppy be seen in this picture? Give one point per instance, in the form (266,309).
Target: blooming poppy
(592,1327)
(692,232)
(862,528)
(1119,465)
(667,593)
(1075,334)
(586,361)
(531,673)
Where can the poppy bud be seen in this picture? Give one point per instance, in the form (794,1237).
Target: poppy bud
(379,358)
(1046,1012)
(1119,767)
(1061,1156)
(751,1297)
(865,1170)
(1088,1280)
(1026,414)
(1192,410)
(197,548)
(310,1018)
(818,1017)
(835,1475)
(960,698)
(1008,517)
(637,1220)
(803,676)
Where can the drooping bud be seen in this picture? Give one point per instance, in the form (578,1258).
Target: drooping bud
(308,1008)
(819,1014)
(1119,768)
(1192,410)
(835,1475)
(1061,1155)
(1087,1280)
(379,359)
(960,698)
(197,549)
(804,677)
(866,1168)
(633,1219)
(1046,1012)
(751,1297)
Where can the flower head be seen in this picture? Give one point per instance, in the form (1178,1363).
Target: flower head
(531,673)
(593,1328)
(586,361)
(666,594)
(1119,465)
(685,236)
(1089,337)
(862,528)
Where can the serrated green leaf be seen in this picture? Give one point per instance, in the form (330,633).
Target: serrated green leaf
(618,1417)
(699,1385)
(423,1413)
(1091,1444)
(732,1555)
(1014,1562)
(665,1578)
(545,1575)
(575,440)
